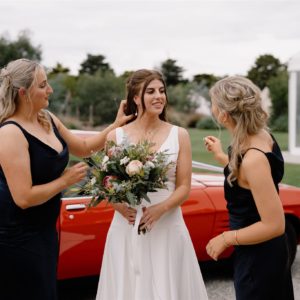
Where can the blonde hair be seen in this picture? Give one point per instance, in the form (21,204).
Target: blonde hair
(18,73)
(241,99)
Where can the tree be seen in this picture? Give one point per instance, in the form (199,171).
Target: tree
(266,66)
(98,96)
(278,87)
(207,79)
(93,64)
(22,47)
(59,69)
(171,72)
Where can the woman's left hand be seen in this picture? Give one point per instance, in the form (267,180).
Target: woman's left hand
(150,215)
(121,118)
(215,247)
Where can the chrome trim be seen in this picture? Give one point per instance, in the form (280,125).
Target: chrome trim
(77,206)
(203,166)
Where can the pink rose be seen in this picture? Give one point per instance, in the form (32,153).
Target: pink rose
(108,181)
(134,167)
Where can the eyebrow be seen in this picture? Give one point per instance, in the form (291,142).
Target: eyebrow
(152,88)
(44,81)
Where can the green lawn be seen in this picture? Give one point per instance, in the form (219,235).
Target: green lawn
(292,171)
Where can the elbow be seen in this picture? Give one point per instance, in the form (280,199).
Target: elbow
(279,228)
(22,204)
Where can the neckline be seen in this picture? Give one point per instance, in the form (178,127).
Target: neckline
(163,143)
(39,140)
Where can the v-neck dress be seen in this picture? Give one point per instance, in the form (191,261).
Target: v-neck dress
(28,237)
(159,265)
(261,271)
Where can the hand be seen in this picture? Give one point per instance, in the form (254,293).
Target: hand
(126,211)
(121,118)
(215,247)
(150,215)
(214,145)
(75,173)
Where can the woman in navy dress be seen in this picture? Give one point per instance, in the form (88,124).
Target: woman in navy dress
(34,153)
(253,169)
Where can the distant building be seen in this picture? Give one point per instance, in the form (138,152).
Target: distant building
(294,104)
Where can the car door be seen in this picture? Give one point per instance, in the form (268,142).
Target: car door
(83,232)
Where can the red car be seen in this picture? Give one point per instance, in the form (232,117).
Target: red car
(82,230)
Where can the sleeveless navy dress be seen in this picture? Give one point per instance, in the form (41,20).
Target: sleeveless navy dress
(261,271)
(28,237)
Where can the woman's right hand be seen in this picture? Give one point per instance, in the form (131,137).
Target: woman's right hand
(126,211)
(75,173)
(214,145)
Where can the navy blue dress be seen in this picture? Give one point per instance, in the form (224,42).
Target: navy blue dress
(261,271)
(28,237)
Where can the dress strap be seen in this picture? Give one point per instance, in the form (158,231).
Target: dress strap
(119,135)
(254,149)
(14,123)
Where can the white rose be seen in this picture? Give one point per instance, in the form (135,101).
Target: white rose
(93,180)
(134,167)
(105,159)
(124,160)
(150,164)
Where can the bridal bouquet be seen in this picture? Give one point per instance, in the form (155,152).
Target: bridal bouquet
(126,173)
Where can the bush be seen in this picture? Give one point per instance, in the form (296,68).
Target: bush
(207,123)
(280,124)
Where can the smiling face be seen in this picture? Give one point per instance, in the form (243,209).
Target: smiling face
(154,97)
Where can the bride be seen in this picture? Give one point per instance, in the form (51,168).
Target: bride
(160,264)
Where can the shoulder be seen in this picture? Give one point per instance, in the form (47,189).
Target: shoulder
(12,138)
(112,135)
(255,163)
(10,131)
(182,133)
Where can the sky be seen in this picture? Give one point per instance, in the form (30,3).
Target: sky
(218,37)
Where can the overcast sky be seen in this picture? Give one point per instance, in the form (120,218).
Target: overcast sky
(220,37)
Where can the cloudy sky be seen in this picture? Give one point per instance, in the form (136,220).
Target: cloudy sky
(220,37)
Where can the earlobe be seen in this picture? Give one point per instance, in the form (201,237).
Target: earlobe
(22,92)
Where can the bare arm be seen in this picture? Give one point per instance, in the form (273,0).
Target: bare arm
(15,162)
(84,147)
(256,175)
(214,145)
(183,183)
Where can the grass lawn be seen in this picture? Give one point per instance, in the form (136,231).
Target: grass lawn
(292,171)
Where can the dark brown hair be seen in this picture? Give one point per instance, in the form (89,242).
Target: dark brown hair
(140,80)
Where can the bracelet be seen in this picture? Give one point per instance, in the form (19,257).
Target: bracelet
(235,237)
(225,243)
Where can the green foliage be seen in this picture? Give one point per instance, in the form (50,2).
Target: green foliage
(266,66)
(58,69)
(98,97)
(206,123)
(63,92)
(278,87)
(182,96)
(93,64)
(280,124)
(206,79)
(171,71)
(20,48)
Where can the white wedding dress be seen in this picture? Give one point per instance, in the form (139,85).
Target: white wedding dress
(160,265)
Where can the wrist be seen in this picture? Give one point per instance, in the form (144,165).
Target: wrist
(225,241)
